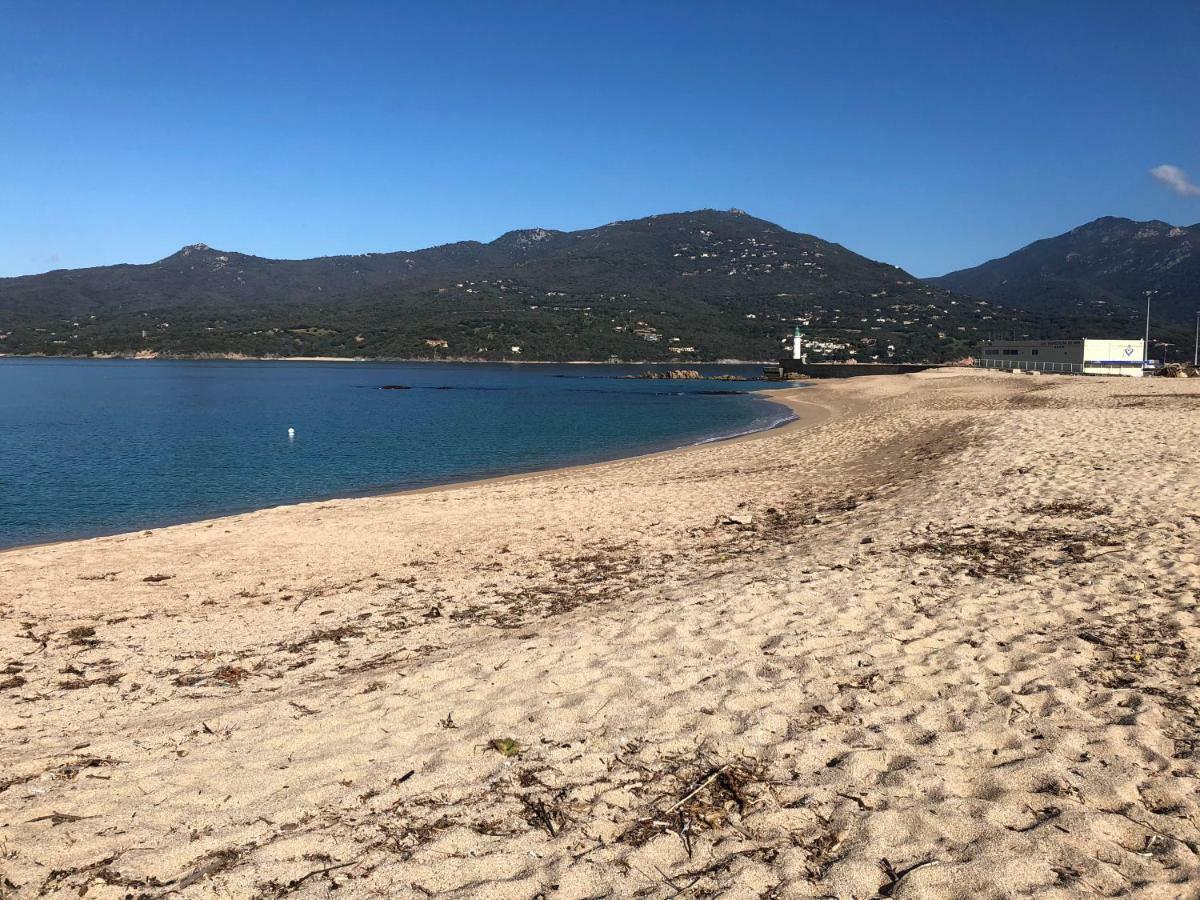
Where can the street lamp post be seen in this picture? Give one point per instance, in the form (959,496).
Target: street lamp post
(1146,343)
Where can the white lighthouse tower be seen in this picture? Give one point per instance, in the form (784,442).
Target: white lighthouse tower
(798,346)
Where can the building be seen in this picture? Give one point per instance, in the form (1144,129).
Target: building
(1086,356)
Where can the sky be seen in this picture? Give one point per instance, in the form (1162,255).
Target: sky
(929,135)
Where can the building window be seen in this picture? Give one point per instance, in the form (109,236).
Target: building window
(1033,352)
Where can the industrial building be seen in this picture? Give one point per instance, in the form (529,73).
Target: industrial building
(1087,356)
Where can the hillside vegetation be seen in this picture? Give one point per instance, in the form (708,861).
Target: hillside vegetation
(701,285)
(1100,269)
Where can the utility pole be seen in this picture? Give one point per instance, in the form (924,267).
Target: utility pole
(1196,352)
(1146,344)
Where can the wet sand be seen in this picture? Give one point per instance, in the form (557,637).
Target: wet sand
(936,640)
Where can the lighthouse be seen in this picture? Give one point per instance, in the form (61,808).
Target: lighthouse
(798,345)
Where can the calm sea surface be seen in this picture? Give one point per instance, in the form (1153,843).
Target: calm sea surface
(96,447)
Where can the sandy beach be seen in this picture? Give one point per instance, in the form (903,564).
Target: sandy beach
(936,639)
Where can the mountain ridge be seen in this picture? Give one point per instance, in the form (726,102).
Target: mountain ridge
(697,285)
(1108,262)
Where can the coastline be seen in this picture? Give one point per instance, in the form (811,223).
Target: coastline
(921,625)
(783,397)
(240,357)
(806,413)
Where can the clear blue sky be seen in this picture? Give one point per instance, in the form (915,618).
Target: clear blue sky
(930,135)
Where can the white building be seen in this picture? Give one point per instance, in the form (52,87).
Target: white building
(1086,356)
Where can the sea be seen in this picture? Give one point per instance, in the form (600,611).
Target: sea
(94,447)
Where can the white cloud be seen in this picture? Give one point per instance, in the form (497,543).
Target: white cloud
(1176,179)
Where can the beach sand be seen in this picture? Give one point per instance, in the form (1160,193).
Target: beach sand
(937,640)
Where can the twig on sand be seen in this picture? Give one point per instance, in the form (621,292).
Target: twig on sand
(296,882)
(1190,845)
(705,783)
(895,876)
(211,865)
(602,705)
(58,818)
(678,890)
(543,816)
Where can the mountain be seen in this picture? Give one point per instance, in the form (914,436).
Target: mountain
(697,285)
(198,275)
(1101,268)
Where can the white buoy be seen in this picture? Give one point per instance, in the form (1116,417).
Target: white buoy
(291,434)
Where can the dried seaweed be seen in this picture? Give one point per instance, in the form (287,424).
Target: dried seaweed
(333,635)
(1076,509)
(696,793)
(1143,651)
(1002,552)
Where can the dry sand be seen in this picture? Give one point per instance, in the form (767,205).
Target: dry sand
(941,642)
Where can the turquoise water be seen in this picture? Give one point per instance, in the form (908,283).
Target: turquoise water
(102,446)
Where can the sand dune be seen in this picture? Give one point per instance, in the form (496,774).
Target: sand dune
(938,640)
